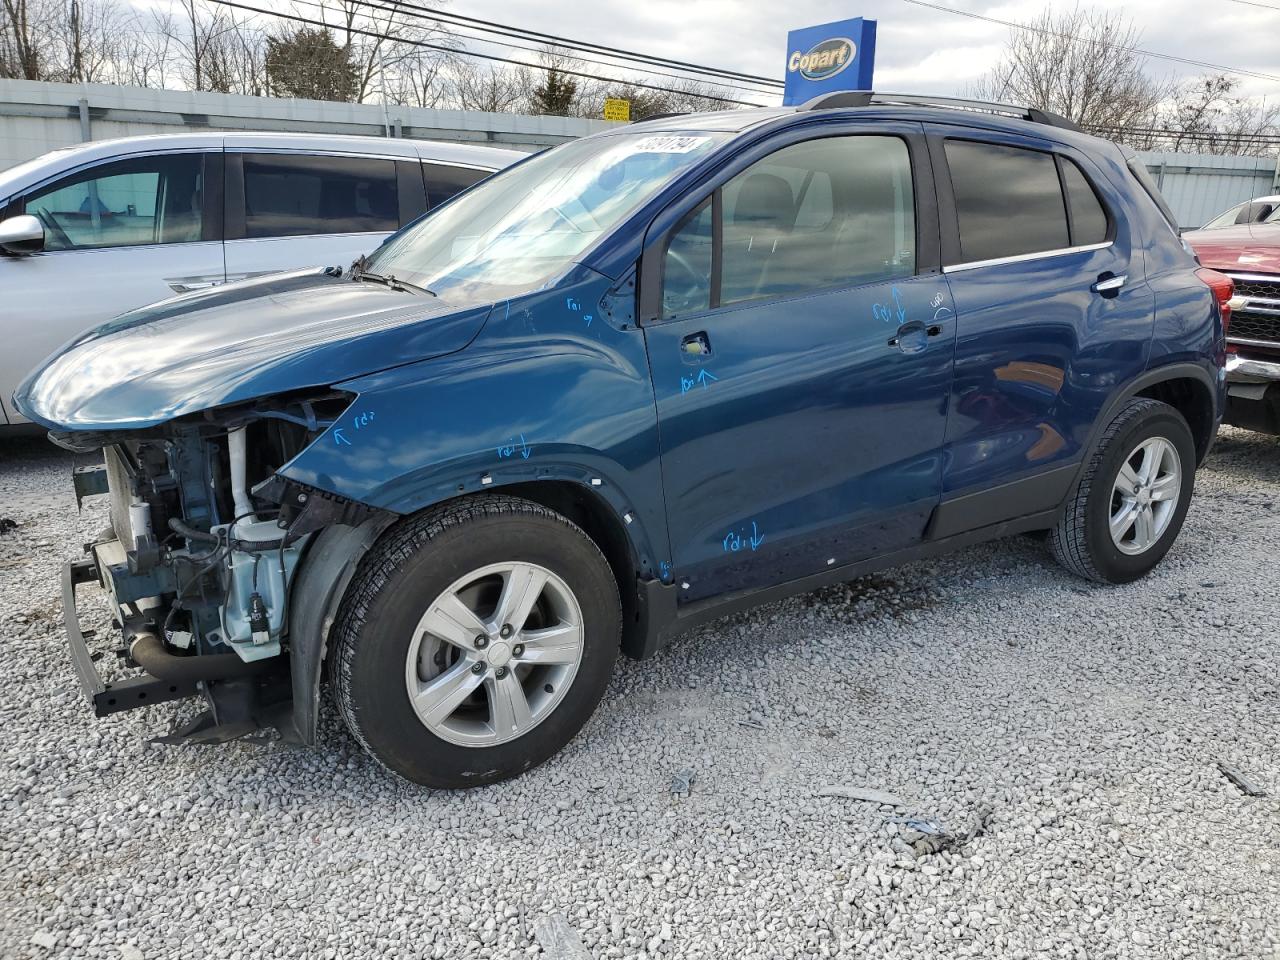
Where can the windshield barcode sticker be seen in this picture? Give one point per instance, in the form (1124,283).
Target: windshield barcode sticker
(670,144)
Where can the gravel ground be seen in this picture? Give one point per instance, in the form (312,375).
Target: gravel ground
(1075,728)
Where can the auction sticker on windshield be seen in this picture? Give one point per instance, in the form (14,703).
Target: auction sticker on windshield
(669,144)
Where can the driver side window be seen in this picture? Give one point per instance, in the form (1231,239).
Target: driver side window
(144,200)
(820,214)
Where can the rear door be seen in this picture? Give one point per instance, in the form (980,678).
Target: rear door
(289,210)
(1054,313)
(801,349)
(118,235)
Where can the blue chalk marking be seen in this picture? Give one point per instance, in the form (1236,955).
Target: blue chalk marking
(664,570)
(509,449)
(572,304)
(588,318)
(362,419)
(882,311)
(701,380)
(339,439)
(733,541)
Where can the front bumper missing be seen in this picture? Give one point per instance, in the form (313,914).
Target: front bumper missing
(117,696)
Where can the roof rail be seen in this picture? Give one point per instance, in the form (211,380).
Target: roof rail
(866,98)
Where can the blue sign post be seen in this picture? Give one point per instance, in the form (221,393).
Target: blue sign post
(829,57)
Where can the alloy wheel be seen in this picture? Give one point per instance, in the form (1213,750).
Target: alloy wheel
(494,654)
(1145,495)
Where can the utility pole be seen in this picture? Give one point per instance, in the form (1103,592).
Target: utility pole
(77,65)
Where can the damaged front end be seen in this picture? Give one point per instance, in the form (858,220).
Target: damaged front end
(202,563)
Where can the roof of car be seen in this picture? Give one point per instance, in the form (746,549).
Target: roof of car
(944,110)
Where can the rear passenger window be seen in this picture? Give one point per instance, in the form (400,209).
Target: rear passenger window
(1088,220)
(443,181)
(296,195)
(1008,200)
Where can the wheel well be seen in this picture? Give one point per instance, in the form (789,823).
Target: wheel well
(602,525)
(1193,400)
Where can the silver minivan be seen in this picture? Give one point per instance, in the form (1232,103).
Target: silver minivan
(91,231)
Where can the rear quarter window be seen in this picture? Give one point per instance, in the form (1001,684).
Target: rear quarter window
(1088,218)
(444,181)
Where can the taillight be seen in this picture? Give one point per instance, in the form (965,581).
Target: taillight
(1224,289)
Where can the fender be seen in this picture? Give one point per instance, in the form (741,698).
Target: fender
(552,401)
(1144,381)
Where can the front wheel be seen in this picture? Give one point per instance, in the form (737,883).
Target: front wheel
(1131,500)
(475,641)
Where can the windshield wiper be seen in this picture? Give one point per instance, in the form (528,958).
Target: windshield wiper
(359,272)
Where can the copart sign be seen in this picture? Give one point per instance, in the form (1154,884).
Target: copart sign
(829,57)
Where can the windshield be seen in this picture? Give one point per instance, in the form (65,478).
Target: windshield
(521,227)
(1264,210)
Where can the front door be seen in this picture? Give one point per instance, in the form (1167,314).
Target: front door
(118,236)
(801,366)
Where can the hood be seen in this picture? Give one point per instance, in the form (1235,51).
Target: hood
(236,343)
(1246,247)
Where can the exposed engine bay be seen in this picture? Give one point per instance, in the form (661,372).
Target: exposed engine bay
(204,548)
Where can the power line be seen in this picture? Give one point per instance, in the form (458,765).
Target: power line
(398,7)
(1196,136)
(1104,43)
(470,53)
(445,16)
(1254,3)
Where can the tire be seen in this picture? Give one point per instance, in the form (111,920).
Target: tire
(1082,541)
(398,630)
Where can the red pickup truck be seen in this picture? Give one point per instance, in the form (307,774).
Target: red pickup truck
(1249,253)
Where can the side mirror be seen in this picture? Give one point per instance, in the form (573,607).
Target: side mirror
(22,234)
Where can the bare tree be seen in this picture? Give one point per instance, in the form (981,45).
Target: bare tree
(487,87)
(27,36)
(147,53)
(92,35)
(1082,64)
(385,43)
(214,50)
(1206,116)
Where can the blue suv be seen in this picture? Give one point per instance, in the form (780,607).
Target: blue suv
(624,387)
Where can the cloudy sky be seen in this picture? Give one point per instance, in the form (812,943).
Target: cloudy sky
(918,49)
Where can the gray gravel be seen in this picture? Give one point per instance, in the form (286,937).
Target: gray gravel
(1075,729)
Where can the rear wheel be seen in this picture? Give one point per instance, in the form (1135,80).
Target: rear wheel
(475,641)
(1132,498)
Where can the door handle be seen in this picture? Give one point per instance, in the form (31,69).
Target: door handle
(912,336)
(190,284)
(696,345)
(1110,283)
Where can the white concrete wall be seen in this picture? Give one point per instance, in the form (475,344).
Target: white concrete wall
(38,117)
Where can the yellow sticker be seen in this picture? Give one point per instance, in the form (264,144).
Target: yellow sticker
(616,109)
